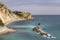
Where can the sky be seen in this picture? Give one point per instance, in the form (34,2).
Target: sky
(35,7)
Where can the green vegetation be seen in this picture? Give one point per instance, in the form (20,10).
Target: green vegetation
(17,13)
(26,14)
(22,14)
(1,4)
(1,23)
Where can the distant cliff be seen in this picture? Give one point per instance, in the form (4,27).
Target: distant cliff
(6,15)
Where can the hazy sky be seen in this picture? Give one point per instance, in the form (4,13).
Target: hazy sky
(40,7)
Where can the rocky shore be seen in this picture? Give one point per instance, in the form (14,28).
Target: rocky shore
(4,30)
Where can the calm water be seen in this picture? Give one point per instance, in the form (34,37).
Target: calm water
(49,23)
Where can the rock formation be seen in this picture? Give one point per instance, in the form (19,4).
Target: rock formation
(6,15)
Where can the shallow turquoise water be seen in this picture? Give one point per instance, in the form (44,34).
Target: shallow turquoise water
(49,23)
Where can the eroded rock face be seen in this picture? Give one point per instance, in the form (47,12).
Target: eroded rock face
(6,15)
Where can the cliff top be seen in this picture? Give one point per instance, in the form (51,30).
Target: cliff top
(6,15)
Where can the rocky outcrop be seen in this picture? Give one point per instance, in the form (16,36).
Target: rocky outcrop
(6,15)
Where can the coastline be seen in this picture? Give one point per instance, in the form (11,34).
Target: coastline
(19,20)
(8,16)
(4,30)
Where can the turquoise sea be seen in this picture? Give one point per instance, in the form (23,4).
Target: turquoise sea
(49,24)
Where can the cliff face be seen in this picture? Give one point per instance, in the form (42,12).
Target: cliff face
(6,15)
(22,15)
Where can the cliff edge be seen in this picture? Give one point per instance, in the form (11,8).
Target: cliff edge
(6,15)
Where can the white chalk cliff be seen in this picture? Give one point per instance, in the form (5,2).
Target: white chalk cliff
(6,15)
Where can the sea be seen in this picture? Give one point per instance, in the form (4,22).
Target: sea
(48,23)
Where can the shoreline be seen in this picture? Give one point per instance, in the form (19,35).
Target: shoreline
(19,20)
(14,21)
(4,30)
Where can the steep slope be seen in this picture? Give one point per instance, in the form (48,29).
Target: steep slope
(6,15)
